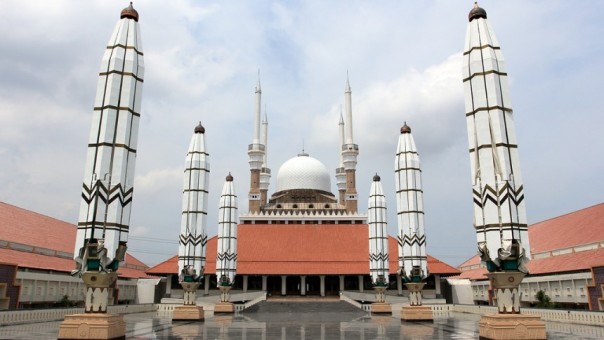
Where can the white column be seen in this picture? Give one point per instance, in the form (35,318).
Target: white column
(169,284)
(437,284)
(283,285)
(341,283)
(264,283)
(498,193)
(245,278)
(378,234)
(226,255)
(206,285)
(302,285)
(322,279)
(361,283)
(399,285)
(410,209)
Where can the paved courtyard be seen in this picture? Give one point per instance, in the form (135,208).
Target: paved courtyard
(321,320)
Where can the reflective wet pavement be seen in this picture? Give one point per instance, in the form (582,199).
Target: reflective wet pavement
(297,325)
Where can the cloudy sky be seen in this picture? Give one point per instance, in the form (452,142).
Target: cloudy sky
(202,60)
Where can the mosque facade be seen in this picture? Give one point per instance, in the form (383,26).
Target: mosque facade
(303,239)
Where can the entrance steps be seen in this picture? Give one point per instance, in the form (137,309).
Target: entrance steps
(308,307)
(307,298)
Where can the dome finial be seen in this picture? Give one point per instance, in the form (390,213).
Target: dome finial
(376,178)
(477,12)
(229,178)
(405,128)
(199,128)
(130,13)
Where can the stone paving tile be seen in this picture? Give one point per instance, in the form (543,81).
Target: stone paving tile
(322,325)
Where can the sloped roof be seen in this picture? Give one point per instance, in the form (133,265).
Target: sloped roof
(550,265)
(336,249)
(585,226)
(33,240)
(579,227)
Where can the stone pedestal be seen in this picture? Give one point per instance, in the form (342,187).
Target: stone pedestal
(511,326)
(188,313)
(381,308)
(224,307)
(416,313)
(509,323)
(96,323)
(415,292)
(92,326)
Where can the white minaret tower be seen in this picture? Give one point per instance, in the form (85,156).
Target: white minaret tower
(350,151)
(256,153)
(410,210)
(192,240)
(104,218)
(226,257)
(379,263)
(265,171)
(340,171)
(498,193)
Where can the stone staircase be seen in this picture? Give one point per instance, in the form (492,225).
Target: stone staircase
(305,310)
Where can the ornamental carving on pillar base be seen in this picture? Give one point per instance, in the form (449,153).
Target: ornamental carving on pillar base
(505,288)
(96,323)
(415,293)
(189,310)
(97,290)
(380,306)
(508,323)
(190,292)
(416,311)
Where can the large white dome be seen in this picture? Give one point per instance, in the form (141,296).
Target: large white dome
(303,172)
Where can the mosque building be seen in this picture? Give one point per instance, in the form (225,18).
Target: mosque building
(303,239)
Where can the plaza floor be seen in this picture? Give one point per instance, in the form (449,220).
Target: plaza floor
(309,322)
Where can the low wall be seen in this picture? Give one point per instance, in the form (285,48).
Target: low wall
(555,315)
(43,315)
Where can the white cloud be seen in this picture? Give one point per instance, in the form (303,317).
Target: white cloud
(201,61)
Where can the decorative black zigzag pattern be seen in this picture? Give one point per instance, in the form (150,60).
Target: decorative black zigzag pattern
(100,191)
(505,193)
(379,257)
(226,256)
(412,240)
(193,240)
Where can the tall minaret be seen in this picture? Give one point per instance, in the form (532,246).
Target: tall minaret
(498,193)
(256,152)
(192,240)
(104,217)
(410,210)
(379,263)
(226,257)
(350,151)
(340,171)
(265,172)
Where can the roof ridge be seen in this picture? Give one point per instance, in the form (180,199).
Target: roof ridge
(568,213)
(37,213)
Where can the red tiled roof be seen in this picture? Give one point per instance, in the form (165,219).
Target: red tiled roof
(583,260)
(584,226)
(26,227)
(567,262)
(265,249)
(575,228)
(59,264)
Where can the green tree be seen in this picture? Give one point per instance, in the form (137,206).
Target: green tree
(543,300)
